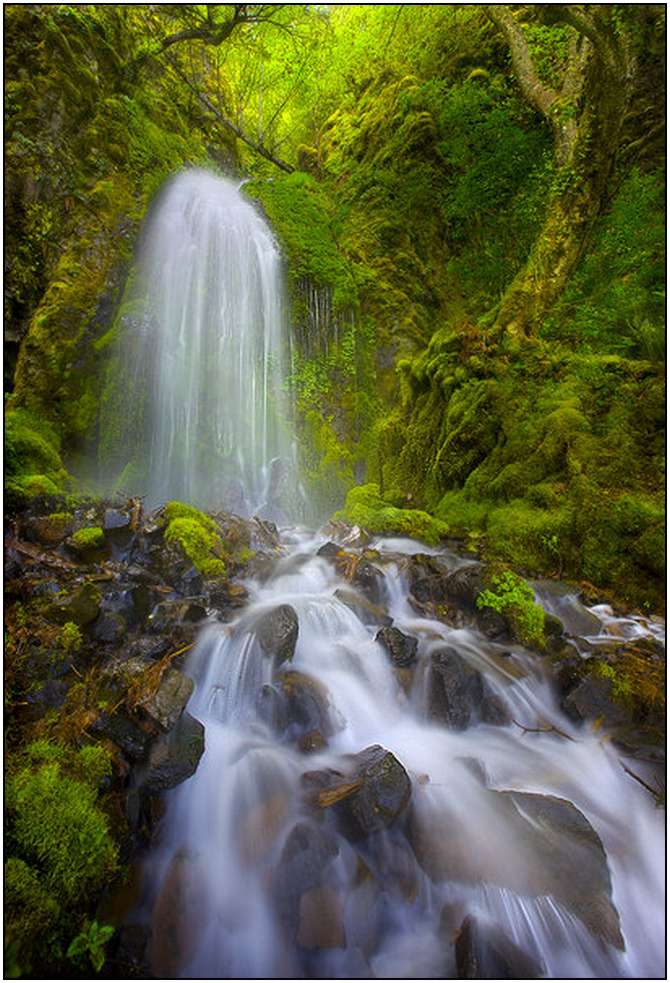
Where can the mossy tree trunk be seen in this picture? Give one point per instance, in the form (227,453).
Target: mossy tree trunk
(586,107)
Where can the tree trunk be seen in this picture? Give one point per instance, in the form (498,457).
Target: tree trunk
(586,116)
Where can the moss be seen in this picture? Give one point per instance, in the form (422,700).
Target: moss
(31,914)
(365,507)
(91,537)
(512,597)
(197,536)
(58,827)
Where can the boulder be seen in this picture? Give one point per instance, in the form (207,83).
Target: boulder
(305,864)
(175,756)
(464,585)
(313,740)
(484,952)
(458,694)
(329,550)
(82,606)
(170,614)
(321,919)
(370,796)
(109,627)
(131,739)
(277,633)
(592,698)
(365,610)
(133,602)
(401,648)
(178,912)
(115,521)
(271,708)
(307,704)
(167,703)
(49,529)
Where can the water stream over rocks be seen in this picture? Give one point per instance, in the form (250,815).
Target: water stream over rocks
(369,803)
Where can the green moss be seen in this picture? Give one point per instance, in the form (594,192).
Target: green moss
(69,638)
(31,914)
(197,542)
(514,599)
(180,510)
(59,829)
(365,507)
(462,514)
(90,537)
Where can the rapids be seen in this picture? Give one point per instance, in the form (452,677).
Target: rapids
(217,865)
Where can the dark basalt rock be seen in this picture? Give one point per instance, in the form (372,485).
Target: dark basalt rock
(115,520)
(82,606)
(304,865)
(484,952)
(277,633)
(172,695)
(373,795)
(329,550)
(109,627)
(369,581)
(131,739)
(307,704)
(175,756)
(401,648)
(170,614)
(458,695)
(365,610)
(464,585)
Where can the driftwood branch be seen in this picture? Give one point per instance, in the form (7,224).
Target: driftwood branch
(551,729)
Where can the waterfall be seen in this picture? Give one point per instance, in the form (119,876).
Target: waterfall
(207,358)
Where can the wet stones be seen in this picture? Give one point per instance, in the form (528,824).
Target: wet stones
(109,628)
(49,529)
(169,700)
(82,606)
(307,705)
(127,735)
(365,610)
(277,633)
(484,952)
(458,694)
(177,914)
(401,649)
(303,880)
(175,756)
(369,797)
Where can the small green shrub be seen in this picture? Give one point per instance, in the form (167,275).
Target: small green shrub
(514,599)
(90,945)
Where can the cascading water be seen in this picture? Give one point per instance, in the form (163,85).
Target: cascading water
(268,885)
(208,358)
(258,871)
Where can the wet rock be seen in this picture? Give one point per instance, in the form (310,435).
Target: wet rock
(427,577)
(169,700)
(313,740)
(365,610)
(174,757)
(131,739)
(494,711)
(321,919)
(271,708)
(114,521)
(464,585)
(49,529)
(109,627)
(225,596)
(369,581)
(329,550)
(374,794)
(352,536)
(574,866)
(169,614)
(178,913)
(82,606)
(484,952)
(261,827)
(458,695)
(401,648)
(307,704)
(492,624)
(304,865)
(264,534)
(277,633)
(593,699)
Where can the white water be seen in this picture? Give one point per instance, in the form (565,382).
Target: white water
(233,816)
(211,355)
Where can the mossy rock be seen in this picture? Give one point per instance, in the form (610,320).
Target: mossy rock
(366,508)
(198,536)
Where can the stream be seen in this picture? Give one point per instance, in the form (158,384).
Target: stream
(269,865)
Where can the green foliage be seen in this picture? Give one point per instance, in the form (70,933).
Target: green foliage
(365,507)
(31,915)
(33,464)
(197,535)
(90,944)
(91,537)
(514,598)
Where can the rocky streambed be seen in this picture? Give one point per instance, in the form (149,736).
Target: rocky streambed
(333,762)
